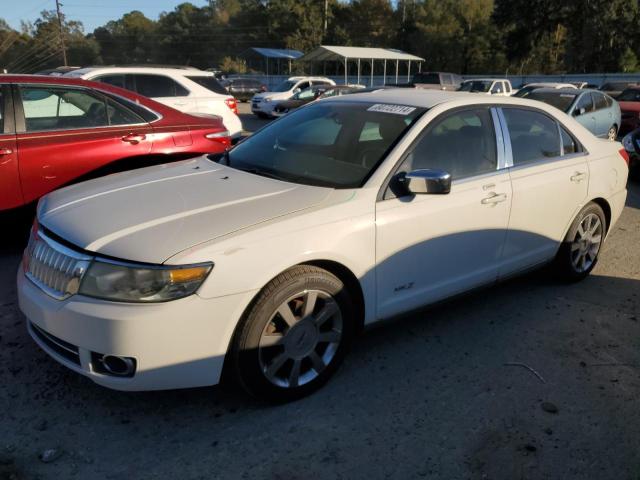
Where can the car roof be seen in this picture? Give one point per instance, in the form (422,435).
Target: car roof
(147,70)
(425,98)
(569,91)
(485,80)
(550,84)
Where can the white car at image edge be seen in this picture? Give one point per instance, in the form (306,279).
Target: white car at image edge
(267,260)
(188,90)
(262,104)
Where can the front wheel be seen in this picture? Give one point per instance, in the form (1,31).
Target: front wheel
(294,336)
(612,134)
(579,252)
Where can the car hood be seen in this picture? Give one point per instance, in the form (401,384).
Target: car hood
(149,215)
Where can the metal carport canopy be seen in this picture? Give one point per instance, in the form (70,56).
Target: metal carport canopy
(344,54)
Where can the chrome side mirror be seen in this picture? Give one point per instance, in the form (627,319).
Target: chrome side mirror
(426,181)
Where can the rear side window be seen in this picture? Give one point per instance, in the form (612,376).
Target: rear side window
(154,86)
(599,100)
(210,83)
(534,136)
(59,108)
(139,110)
(115,80)
(119,115)
(462,143)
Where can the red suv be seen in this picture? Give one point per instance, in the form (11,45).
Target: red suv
(55,131)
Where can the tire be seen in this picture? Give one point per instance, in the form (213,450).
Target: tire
(579,252)
(280,354)
(612,133)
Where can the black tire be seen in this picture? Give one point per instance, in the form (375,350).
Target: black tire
(565,262)
(248,355)
(612,133)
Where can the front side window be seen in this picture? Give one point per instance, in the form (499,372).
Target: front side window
(285,86)
(303,85)
(154,86)
(497,88)
(59,108)
(330,144)
(534,136)
(475,86)
(462,143)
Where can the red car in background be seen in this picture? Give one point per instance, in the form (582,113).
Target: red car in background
(55,131)
(629,101)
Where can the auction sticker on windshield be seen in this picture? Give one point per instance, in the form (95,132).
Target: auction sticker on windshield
(386,108)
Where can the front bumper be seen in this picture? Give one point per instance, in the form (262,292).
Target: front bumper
(178,344)
(262,107)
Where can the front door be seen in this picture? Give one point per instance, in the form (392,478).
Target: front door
(429,247)
(67,132)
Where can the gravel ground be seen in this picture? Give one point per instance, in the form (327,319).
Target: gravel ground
(443,394)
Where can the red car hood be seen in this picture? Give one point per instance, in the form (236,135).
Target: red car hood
(630,106)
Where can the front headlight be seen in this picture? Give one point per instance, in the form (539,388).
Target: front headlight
(141,283)
(266,100)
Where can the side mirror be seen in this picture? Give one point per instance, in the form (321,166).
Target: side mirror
(426,181)
(579,111)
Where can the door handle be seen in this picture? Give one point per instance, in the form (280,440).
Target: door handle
(578,177)
(5,151)
(494,198)
(134,138)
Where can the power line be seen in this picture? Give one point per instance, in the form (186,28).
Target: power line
(37,57)
(31,50)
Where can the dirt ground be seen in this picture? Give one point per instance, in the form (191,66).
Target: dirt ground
(531,379)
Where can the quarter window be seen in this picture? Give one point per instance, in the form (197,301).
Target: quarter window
(154,86)
(462,143)
(569,145)
(534,136)
(118,115)
(53,108)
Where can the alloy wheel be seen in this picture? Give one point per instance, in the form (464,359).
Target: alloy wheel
(586,244)
(612,134)
(300,339)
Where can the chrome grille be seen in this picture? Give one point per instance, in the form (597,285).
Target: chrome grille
(54,268)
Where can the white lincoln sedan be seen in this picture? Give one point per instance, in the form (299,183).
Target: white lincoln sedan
(267,260)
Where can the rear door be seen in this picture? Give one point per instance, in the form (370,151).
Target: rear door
(584,113)
(65,132)
(603,114)
(549,177)
(10,189)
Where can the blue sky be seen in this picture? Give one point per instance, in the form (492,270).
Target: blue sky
(92,13)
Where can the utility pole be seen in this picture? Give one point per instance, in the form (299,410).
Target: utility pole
(64,48)
(326,19)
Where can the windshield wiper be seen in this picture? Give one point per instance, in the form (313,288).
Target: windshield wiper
(262,173)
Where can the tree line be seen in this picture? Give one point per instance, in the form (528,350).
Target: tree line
(463,36)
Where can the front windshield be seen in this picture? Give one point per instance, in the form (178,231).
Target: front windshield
(475,86)
(631,95)
(284,86)
(563,101)
(331,144)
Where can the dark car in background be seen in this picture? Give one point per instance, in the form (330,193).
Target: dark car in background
(629,101)
(631,143)
(614,89)
(243,89)
(311,94)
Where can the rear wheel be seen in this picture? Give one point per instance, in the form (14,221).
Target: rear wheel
(612,134)
(294,336)
(579,252)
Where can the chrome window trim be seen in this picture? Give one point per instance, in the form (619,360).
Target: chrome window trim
(500,144)
(547,160)
(508,152)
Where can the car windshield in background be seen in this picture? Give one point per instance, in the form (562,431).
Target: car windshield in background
(284,86)
(561,101)
(335,144)
(631,95)
(475,86)
(210,83)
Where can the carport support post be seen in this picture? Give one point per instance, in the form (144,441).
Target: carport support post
(409,71)
(345,70)
(384,73)
(419,67)
(371,81)
(396,71)
(358,71)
